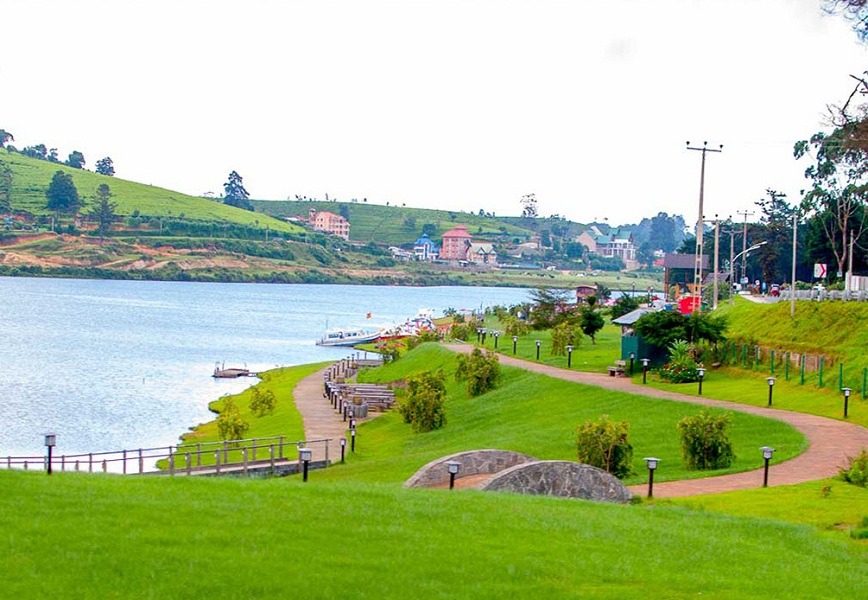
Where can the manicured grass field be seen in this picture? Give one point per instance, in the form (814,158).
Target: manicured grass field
(97,536)
(538,415)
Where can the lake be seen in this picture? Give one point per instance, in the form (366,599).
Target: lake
(108,365)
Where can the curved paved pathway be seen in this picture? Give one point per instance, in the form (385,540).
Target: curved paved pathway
(830,441)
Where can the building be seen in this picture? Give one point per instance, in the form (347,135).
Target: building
(329,223)
(680,270)
(456,242)
(425,249)
(619,243)
(481,254)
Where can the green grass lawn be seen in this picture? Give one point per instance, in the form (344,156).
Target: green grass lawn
(97,536)
(538,415)
(827,504)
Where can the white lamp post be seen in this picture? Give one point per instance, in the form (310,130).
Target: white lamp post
(701,371)
(771,381)
(846,399)
(454,466)
(767,456)
(50,442)
(304,455)
(652,466)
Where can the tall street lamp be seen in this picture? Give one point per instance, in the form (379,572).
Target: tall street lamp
(744,253)
(652,466)
(767,456)
(771,381)
(50,442)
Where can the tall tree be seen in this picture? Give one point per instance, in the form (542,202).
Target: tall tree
(105,166)
(839,186)
(103,209)
(75,160)
(235,194)
(776,229)
(62,194)
(5,188)
(5,137)
(38,151)
(528,206)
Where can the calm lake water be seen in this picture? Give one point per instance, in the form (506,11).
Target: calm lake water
(108,365)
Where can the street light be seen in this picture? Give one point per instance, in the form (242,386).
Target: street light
(50,442)
(652,465)
(478,334)
(537,349)
(846,399)
(304,455)
(454,466)
(736,257)
(701,372)
(569,356)
(496,335)
(771,381)
(632,358)
(343,450)
(514,341)
(353,440)
(767,456)
(645,362)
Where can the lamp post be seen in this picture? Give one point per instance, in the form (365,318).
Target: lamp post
(478,334)
(846,399)
(484,333)
(454,466)
(652,465)
(514,342)
(537,348)
(645,362)
(767,456)
(304,455)
(701,372)
(343,450)
(744,253)
(569,356)
(345,406)
(496,335)
(771,381)
(50,442)
(632,358)
(353,440)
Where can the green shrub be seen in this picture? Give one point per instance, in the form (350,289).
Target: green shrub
(230,423)
(263,403)
(704,441)
(425,336)
(424,407)
(603,444)
(682,367)
(563,335)
(857,471)
(481,371)
(463,331)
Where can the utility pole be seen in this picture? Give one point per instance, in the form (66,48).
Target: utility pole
(697,269)
(793,287)
(716,259)
(744,242)
(731,257)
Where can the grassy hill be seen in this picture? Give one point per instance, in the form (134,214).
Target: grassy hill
(30,179)
(397,225)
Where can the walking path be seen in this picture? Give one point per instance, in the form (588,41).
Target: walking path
(830,441)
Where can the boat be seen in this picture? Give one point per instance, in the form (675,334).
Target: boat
(221,372)
(348,337)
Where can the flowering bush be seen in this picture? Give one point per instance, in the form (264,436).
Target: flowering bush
(682,366)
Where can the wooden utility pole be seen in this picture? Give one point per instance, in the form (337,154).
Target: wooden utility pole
(697,269)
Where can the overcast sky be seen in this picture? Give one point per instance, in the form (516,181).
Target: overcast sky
(435,103)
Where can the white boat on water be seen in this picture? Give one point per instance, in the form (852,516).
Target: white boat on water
(348,337)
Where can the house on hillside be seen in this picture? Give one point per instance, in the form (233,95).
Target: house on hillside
(425,249)
(618,243)
(481,254)
(329,223)
(455,244)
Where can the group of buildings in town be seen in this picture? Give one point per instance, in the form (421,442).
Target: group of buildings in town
(458,246)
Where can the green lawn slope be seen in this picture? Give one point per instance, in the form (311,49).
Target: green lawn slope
(98,536)
(30,179)
(538,415)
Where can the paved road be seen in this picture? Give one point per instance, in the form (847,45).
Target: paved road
(831,441)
